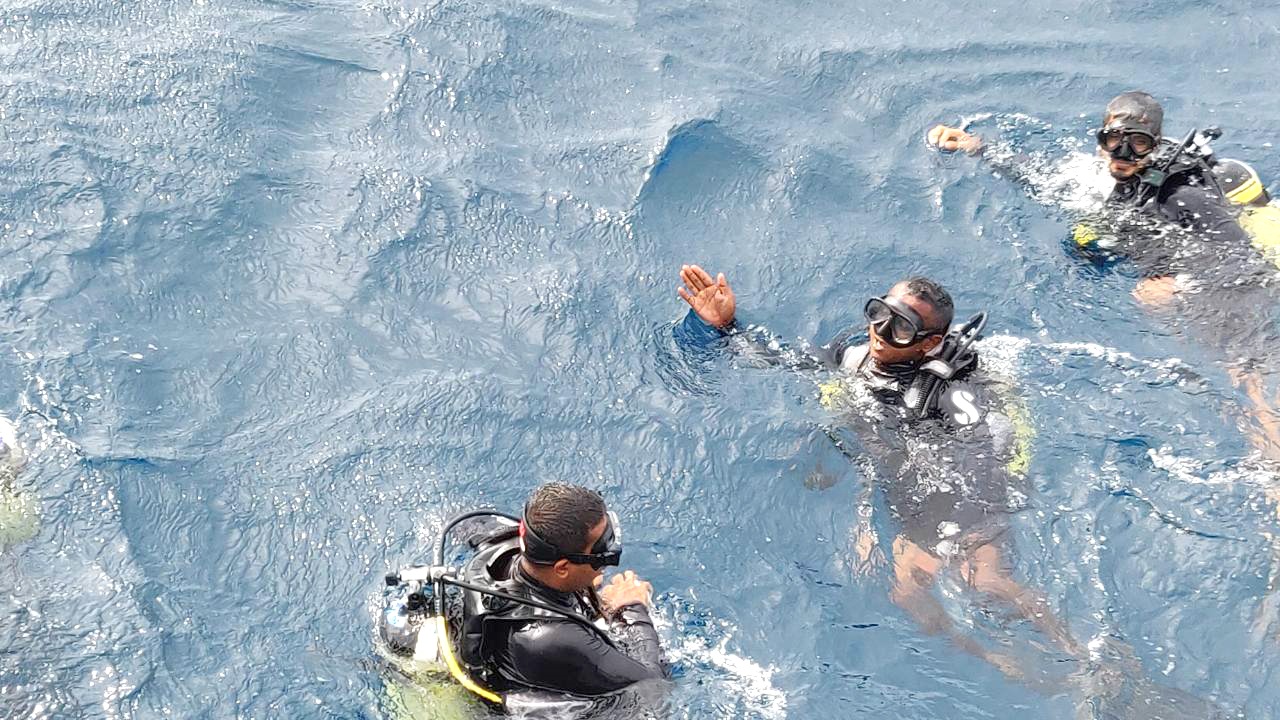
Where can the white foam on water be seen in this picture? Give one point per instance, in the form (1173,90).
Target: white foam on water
(1001,354)
(741,677)
(1079,182)
(1196,471)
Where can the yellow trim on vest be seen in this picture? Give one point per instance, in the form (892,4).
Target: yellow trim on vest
(831,393)
(1024,435)
(446,651)
(1084,235)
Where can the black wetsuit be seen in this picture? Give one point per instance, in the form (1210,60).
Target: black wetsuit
(1228,299)
(545,652)
(944,475)
(1198,234)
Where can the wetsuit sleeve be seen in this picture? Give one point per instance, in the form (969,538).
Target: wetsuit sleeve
(1022,168)
(566,657)
(753,344)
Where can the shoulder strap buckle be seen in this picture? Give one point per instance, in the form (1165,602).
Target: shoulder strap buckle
(939,368)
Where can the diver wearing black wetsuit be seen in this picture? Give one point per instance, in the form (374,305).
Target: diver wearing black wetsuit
(914,403)
(941,446)
(531,621)
(943,507)
(518,647)
(1174,210)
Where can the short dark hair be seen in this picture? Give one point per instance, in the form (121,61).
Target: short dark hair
(564,515)
(943,310)
(1138,108)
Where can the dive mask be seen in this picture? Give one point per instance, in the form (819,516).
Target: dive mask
(1127,143)
(606,551)
(895,322)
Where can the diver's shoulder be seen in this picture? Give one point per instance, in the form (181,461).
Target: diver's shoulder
(852,357)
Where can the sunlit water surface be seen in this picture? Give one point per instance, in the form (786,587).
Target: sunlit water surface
(288,283)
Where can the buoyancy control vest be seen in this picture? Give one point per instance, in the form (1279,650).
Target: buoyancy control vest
(461,629)
(487,619)
(954,359)
(1234,180)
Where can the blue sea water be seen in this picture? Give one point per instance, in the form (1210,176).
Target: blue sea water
(286,283)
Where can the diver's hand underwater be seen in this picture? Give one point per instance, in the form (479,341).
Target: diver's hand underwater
(1157,292)
(868,555)
(951,139)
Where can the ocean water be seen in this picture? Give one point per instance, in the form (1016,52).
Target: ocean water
(286,283)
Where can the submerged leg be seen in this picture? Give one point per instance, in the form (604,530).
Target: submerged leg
(1265,435)
(1266,619)
(914,573)
(985,572)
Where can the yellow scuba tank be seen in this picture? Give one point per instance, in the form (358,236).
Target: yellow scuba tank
(1259,215)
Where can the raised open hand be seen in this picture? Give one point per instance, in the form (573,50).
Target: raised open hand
(712,300)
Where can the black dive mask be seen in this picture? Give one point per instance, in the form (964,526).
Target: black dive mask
(895,322)
(1129,144)
(606,551)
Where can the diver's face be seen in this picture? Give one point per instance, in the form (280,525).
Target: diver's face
(1124,169)
(581,576)
(1127,149)
(884,353)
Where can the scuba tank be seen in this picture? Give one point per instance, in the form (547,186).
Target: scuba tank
(955,357)
(1259,215)
(407,624)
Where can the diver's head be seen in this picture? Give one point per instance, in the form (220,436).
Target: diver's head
(1130,133)
(567,537)
(909,322)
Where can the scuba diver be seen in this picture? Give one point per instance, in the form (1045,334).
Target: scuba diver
(947,442)
(528,618)
(1201,229)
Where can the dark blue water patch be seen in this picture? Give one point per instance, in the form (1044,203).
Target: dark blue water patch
(704,184)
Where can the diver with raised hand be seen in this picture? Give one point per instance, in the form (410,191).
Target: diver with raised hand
(939,430)
(531,618)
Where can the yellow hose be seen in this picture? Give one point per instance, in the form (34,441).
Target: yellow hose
(451,662)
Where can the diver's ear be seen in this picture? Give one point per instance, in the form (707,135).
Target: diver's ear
(561,568)
(931,343)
